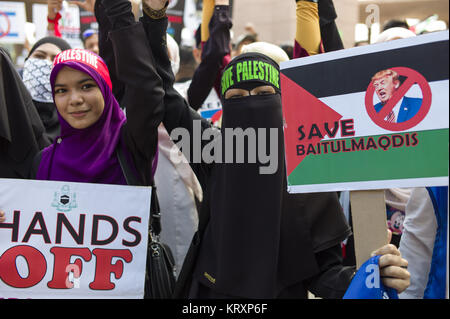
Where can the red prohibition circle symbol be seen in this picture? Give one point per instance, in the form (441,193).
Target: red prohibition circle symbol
(4,33)
(412,77)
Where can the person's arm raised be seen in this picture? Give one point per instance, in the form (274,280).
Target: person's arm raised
(307,36)
(215,53)
(53,16)
(177,112)
(135,67)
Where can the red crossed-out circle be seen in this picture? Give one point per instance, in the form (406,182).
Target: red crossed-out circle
(4,33)
(412,77)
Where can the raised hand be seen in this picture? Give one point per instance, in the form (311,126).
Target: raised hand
(53,7)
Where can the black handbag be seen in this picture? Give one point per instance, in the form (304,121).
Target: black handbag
(160,275)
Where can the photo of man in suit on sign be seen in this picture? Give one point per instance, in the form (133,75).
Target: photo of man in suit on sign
(386,82)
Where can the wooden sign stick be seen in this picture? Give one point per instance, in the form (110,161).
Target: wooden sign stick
(369,222)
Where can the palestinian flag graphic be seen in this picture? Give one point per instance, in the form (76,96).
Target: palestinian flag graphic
(368,117)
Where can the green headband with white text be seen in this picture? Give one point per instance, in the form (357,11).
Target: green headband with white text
(250,69)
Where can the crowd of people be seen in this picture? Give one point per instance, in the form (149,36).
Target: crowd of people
(234,232)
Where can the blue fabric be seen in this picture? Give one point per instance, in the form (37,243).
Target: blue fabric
(408,109)
(88,33)
(437,278)
(366,284)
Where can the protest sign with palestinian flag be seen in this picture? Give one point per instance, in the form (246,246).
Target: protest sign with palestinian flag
(337,126)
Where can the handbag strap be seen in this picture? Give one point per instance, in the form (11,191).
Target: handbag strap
(155,213)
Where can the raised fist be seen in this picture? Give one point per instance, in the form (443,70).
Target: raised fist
(53,6)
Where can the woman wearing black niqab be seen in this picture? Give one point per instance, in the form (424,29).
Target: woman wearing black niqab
(21,130)
(254,240)
(260,241)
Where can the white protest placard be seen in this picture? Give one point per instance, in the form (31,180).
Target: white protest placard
(12,22)
(73,240)
(39,18)
(69,24)
(365,119)
(337,132)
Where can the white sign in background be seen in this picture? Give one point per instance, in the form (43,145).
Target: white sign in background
(69,24)
(109,241)
(12,22)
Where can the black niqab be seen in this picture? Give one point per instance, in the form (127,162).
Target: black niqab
(49,117)
(21,130)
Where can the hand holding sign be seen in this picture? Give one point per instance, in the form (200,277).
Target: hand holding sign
(2,216)
(393,271)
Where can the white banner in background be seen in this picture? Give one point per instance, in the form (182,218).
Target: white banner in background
(69,24)
(72,240)
(12,22)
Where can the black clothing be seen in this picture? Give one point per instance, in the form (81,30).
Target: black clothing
(142,98)
(49,117)
(129,57)
(177,109)
(329,32)
(299,252)
(213,53)
(21,130)
(105,44)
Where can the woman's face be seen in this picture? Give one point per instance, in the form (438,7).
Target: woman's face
(46,51)
(78,98)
